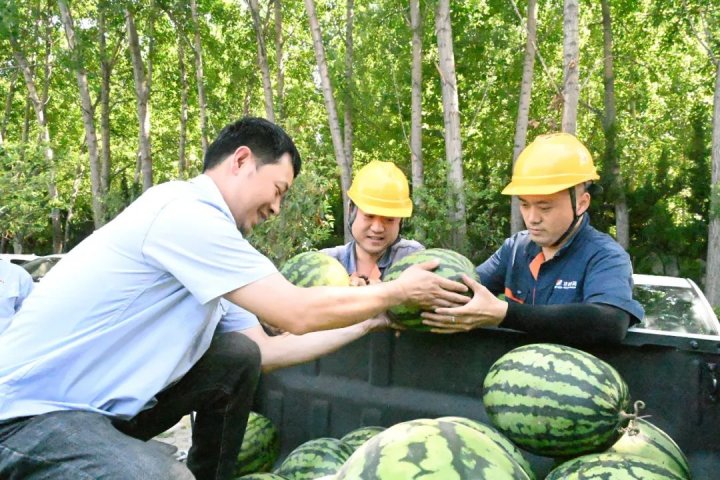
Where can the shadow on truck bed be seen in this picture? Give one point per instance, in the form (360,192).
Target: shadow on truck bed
(383,379)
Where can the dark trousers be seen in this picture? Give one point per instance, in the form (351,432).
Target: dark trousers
(87,445)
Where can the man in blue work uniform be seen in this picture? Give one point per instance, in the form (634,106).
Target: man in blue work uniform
(562,279)
(379,201)
(117,343)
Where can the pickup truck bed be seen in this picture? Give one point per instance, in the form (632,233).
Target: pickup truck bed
(385,378)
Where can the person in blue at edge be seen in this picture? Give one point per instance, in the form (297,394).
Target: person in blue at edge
(379,200)
(15,285)
(562,279)
(118,342)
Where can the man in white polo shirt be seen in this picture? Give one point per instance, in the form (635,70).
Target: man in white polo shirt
(116,344)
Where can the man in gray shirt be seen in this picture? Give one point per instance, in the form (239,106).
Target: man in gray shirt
(379,200)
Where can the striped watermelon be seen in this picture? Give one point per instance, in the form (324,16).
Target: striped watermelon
(498,438)
(452,266)
(311,269)
(428,449)
(646,440)
(314,458)
(359,436)
(261,476)
(260,448)
(613,466)
(556,401)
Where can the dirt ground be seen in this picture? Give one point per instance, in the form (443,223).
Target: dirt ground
(179,436)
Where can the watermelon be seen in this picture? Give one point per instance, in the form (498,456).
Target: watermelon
(452,265)
(314,458)
(430,449)
(498,438)
(261,476)
(260,447)
(359,436)
(312,269)
(614,466)
(644,439)
(555,400)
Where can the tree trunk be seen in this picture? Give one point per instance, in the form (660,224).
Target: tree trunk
(451,117)
(262,60)
(279,43)
(335,133)
(38,103)
(107,63)
(8,106)
(71,204)
(349,87)
(712,280)
(182,161)
(200,77)
(612,175)
(571,56)
(142,94)
(88,116)
(416,153)
(521,124)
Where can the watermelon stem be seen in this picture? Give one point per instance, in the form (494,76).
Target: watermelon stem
(632,428)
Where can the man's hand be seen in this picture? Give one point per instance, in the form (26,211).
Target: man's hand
(377,323)
(357,280)
(484,310)
(430,291)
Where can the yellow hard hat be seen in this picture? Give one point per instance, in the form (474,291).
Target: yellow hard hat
(551,163)
(381,188)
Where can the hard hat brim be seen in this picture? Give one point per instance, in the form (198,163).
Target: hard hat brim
(535,189)
(392,212)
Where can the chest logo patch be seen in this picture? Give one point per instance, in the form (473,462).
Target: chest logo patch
(565,284)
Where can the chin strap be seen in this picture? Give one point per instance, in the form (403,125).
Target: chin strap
(576,217)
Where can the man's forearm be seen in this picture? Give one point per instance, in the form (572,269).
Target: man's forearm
(574,323)
(287,349)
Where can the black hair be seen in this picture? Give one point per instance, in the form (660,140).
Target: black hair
(594,189)
(267,141)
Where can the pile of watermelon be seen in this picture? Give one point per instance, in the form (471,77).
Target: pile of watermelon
(546,399)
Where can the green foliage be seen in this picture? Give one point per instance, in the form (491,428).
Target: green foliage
(304,221)
(664,84)
(23,183)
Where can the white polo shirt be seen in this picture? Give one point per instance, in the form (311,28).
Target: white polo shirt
(130,309)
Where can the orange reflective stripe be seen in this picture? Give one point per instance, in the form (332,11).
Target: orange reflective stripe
(508,294)
(535,264)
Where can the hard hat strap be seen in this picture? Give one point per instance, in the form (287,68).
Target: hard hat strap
(576,217)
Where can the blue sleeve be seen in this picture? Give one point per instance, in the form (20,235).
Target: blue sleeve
(608,280)
(493,270)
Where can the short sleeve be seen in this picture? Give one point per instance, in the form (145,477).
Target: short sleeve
(608,280)
(203,249)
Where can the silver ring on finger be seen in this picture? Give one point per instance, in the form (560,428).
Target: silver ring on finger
(453,318)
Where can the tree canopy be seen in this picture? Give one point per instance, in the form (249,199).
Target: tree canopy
(665,56)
